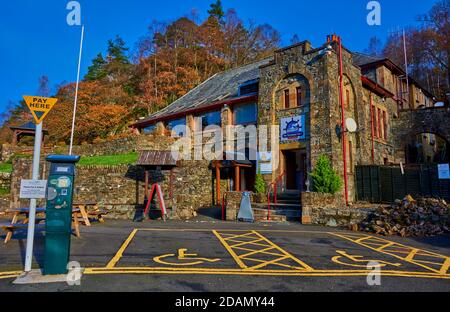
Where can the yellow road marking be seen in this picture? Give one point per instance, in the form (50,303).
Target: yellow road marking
(294,273)
(268,245)
(228,248)
(182,255)
(11,274)
(122,248)
(411,252)
(357,259)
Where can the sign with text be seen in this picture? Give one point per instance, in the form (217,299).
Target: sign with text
(444,171)
(39,106)
(293,128)
(30,189)
(265,162)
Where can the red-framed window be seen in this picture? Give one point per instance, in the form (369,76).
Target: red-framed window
(287,102)
(374,121)
(299,96)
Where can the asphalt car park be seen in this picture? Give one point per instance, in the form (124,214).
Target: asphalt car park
(211,256)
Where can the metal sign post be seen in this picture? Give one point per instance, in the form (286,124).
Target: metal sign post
(32,216)
(39,107)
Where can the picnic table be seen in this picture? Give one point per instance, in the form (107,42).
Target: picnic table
(89,209)
(24,212)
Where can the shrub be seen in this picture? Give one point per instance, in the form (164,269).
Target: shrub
(324,178)
(260,184)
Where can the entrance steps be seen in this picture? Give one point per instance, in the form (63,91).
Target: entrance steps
(288,208)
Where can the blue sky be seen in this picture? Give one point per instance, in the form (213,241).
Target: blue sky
(35,39)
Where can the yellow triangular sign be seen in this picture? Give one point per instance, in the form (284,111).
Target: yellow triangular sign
(39,106)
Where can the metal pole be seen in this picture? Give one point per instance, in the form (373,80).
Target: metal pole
(76,91)
(32,213)
(343,126)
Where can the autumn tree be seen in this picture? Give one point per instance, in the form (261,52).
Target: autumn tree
(427,49)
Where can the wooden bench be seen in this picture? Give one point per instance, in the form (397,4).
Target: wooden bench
(95,213)
(15,225)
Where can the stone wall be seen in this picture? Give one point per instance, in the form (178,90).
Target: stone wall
(233,204)
(5,180)
(413,122)
(330,210)
(113,147)
(120,189)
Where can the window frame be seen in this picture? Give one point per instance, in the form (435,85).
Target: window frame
(287,99)
(255,122)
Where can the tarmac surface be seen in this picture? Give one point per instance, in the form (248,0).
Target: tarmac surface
(206,255)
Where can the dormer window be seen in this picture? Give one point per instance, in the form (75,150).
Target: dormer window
(249,88)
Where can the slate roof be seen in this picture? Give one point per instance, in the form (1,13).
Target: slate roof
(360,59)
(220,87)
(156,158)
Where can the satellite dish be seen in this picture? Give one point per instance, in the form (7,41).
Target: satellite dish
(351,125)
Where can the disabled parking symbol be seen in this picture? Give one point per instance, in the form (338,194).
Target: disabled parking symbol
(183,259)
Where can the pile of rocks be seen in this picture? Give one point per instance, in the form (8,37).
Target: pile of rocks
(410,217)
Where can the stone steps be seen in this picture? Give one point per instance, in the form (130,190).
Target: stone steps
(278,214)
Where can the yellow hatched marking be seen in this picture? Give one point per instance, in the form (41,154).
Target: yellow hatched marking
(253,242)
(392,249)
(122,248)
(265,252)
(251,246)
(230,250)
(233,236)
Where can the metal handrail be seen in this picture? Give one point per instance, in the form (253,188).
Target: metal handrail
(273,185)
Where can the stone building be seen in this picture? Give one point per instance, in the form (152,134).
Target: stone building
(298,88)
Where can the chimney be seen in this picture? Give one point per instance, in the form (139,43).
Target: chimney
(332,38)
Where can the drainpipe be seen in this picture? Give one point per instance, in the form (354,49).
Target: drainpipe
(372,127)
(341,99)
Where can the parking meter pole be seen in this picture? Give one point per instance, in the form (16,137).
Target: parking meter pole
(32,216)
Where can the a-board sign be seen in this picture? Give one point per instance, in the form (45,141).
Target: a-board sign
(30,189)
(39,106)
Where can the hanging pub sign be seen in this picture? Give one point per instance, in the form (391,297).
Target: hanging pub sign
(293,128)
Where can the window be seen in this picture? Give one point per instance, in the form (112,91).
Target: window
(374,121)
(245,114)
(347,98)
(299,96)
(211,118)
(248,88)
(380,131)
(384,125)
(180,131)
(350,156)
(149,129)
(287,103)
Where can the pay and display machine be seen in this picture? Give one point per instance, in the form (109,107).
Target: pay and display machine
(58,223)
